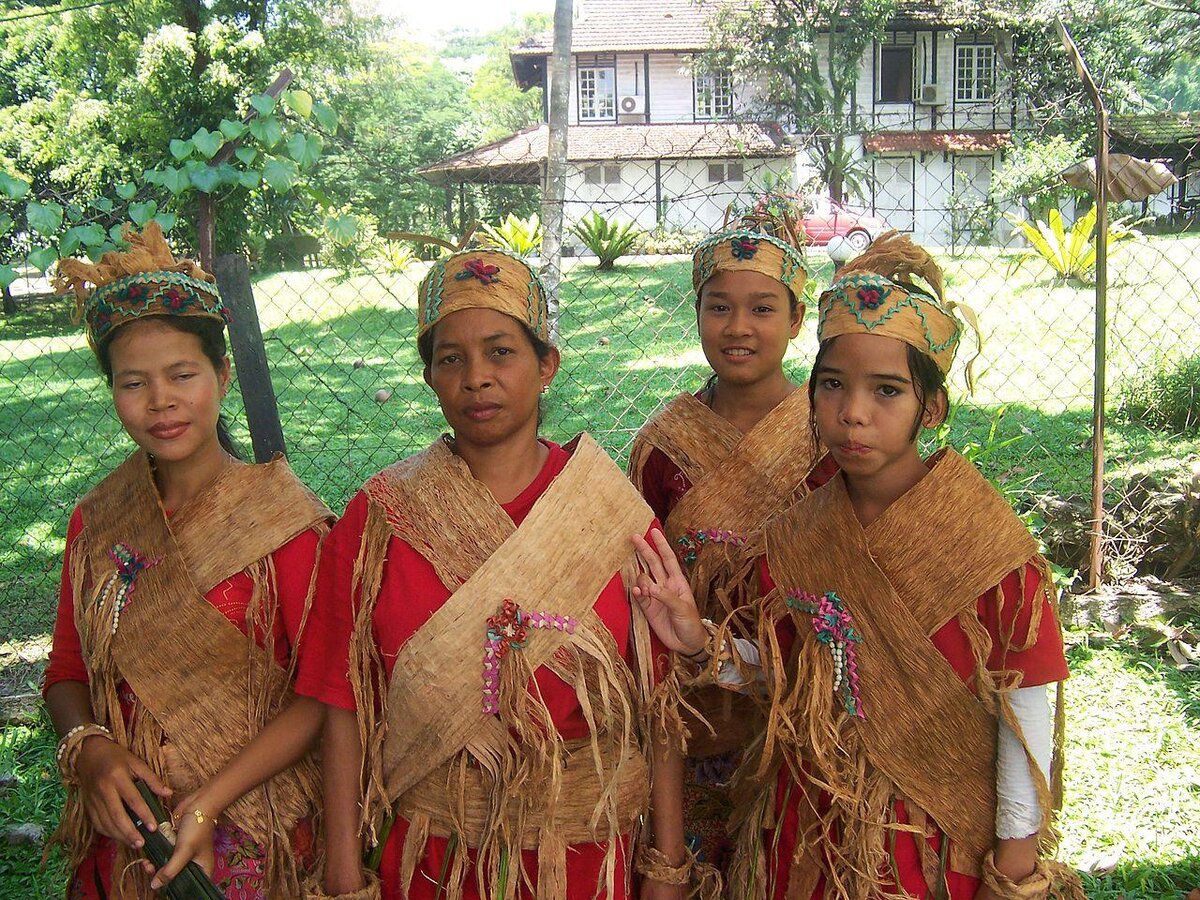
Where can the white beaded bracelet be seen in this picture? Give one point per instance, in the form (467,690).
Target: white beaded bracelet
(68,747)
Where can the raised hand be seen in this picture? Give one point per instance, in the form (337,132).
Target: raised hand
(106,773)
(663,592)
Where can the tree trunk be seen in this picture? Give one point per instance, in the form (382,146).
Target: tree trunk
(10,304)
(554,184)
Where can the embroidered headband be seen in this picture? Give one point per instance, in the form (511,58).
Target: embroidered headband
(145,280)
(749,250)
(483,279)
(875,294)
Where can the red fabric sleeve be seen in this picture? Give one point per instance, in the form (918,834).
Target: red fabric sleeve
(1043,663)
(66,653)
(324,670)
(294,563)
(663,484)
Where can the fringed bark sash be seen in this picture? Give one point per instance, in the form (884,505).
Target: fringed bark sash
(738,482)
(922,734)
(559,560)
(503,780)
(203,688)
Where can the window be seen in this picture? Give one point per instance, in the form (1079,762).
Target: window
(895,75)
(974,72)
(714,95)
(602,174)
(597,94)
(719,172)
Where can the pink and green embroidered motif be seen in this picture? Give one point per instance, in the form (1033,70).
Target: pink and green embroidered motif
(835,629)
(477,268)
(743,247)
(130,564)
(509,630)
(693,541)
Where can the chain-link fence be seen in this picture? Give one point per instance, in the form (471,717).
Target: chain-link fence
(966,178)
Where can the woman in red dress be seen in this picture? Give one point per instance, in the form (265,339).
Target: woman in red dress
(491,690)
(185,585)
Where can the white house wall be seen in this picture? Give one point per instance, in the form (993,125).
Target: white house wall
(689,201)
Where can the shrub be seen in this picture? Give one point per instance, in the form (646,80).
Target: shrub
(608,240)
(520,236)
(1165,396)
(665,241)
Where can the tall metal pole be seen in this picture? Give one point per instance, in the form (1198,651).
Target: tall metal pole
(1096,554)
(554,177)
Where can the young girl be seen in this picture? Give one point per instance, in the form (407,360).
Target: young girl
(185,583)
(714,466)
(484,670)
(908,634)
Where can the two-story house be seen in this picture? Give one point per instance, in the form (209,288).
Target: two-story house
(657,138)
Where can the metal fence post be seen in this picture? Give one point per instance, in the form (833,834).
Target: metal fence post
(249,354)
(1099,385)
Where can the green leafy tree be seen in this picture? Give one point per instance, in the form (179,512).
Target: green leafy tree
(806,55)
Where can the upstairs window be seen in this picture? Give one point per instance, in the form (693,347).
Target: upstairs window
(597,93)
(895,75)
(714,95)
(974,72)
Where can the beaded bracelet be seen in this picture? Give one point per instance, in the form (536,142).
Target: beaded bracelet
(70,745)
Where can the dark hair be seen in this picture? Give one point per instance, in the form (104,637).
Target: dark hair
(927,381)
(212,343)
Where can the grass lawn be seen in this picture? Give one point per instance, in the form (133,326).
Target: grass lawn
(628,341)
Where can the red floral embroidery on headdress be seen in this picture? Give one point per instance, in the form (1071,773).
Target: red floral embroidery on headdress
(477,268)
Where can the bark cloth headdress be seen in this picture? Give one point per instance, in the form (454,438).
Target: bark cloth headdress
(145,280)
(483,279)
(757,243)
(875,293)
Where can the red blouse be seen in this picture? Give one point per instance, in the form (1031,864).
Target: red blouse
(293,572)
(411,592)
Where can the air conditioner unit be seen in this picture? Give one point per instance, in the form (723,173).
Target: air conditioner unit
(933,95)
(633,105)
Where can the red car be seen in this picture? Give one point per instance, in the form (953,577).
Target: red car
(824,219)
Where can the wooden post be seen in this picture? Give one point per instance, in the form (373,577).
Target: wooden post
(554,180)
(250,356)
(1099,385)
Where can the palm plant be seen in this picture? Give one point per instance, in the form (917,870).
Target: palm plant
(520,236)
(608,239)
(1070,252)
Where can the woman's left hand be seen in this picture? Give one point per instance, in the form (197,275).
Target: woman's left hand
(193,840)
(666,597)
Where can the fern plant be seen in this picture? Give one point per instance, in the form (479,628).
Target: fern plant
(520,236)
(608,239)
(1070,252)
